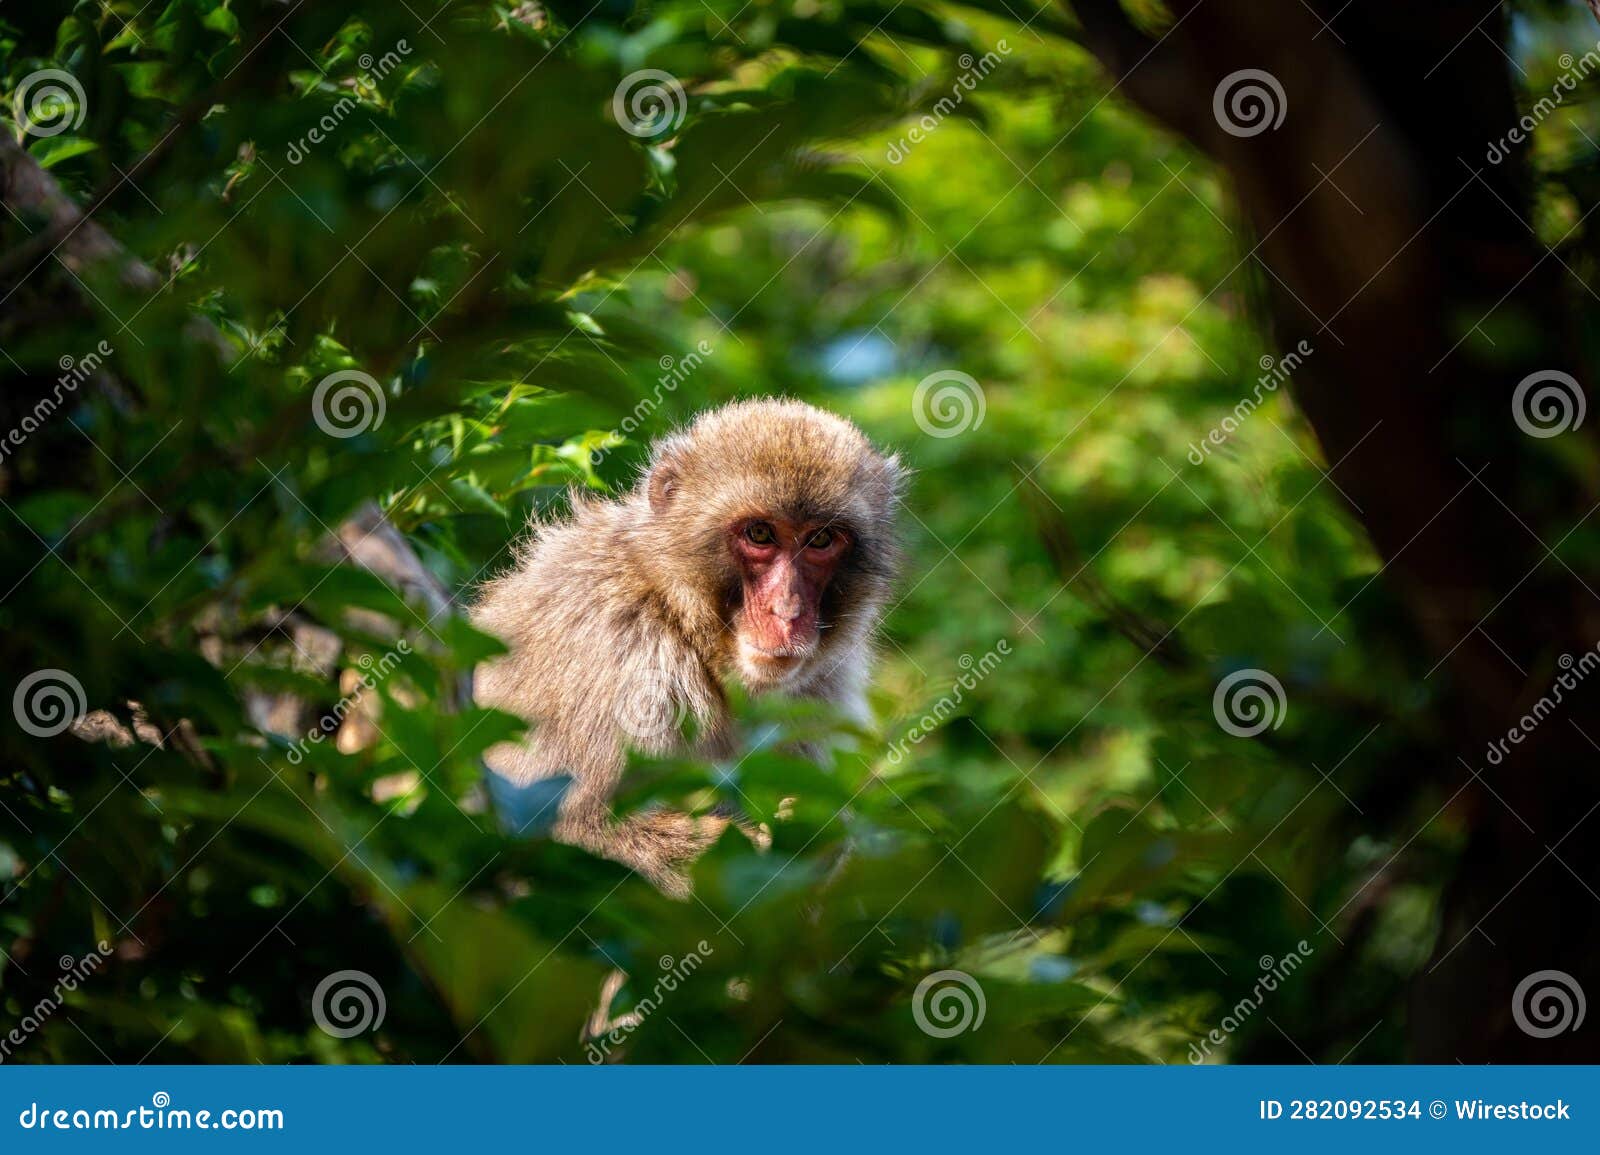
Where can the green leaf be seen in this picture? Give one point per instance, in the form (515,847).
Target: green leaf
(53,150)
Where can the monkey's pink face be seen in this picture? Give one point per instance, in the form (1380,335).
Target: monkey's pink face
(785,568)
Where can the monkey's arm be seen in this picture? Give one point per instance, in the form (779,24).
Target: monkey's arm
(658,844)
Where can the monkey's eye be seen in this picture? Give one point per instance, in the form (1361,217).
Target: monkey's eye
(822,539)
(760,533)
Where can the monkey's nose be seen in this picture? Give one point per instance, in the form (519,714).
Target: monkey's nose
(787,609)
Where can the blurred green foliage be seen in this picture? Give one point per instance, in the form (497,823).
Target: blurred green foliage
(476,231)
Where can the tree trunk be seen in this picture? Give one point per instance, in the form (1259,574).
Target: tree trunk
(1393,242)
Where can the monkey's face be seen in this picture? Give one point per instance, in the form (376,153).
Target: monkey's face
(768,528)
(785,568)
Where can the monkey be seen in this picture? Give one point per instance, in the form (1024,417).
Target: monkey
(758,548)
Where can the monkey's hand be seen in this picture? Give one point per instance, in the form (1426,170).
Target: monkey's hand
(759,833)
(662,844)
(659,844)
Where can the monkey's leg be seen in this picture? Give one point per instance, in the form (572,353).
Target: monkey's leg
(659,844)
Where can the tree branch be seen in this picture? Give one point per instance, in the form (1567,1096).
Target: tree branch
(1154,71)
(33,194)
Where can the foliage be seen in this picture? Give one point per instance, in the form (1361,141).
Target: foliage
(477,233)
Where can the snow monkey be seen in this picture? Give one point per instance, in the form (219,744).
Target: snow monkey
(758,547)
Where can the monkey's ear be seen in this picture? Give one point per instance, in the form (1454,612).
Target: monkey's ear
(892,478)
(662,484)
(899,474)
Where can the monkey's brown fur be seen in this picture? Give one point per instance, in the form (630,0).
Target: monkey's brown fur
(622,621)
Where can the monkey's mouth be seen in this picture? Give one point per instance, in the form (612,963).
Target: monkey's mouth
(783,655)
(782,659)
